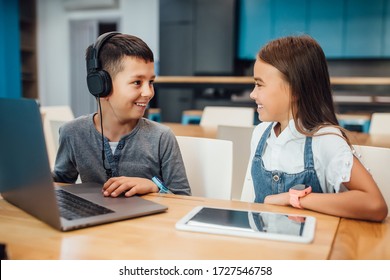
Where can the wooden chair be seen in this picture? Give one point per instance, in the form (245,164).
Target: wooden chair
(209,166)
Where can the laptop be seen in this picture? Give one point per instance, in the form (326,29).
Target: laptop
(26,180)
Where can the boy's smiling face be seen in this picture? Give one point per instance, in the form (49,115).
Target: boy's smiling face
(132,89)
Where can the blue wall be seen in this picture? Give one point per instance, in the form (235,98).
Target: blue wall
(344,28)
(10,72)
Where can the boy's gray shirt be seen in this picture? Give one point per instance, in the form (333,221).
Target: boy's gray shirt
(149,150)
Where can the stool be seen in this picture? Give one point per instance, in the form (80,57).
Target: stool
(347,120)
(154,114)
(191,116)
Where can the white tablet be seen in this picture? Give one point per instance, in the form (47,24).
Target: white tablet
(266,225)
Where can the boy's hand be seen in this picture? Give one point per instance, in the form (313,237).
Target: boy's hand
(129,186)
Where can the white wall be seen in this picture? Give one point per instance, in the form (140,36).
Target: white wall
(53,55)
(137,17)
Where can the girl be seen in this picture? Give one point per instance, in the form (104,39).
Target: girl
(299,154)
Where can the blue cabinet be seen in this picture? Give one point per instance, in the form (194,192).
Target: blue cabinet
(325,24)
(254,27)
(289,17)
(344,28)
(364,30)
(10,85)
(386,35)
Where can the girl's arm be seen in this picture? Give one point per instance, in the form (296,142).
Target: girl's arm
(363,200)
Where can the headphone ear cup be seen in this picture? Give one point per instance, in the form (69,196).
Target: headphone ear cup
(99,83)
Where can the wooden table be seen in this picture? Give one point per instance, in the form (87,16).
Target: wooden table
(365,139)
(193,130)
(155,237)
(356,138)
(362,240)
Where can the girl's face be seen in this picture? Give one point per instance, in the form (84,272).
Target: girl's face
(271,93)
(132,89)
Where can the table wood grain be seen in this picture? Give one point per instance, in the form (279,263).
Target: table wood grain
(155,236)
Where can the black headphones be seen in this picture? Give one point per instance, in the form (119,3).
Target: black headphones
(98,80)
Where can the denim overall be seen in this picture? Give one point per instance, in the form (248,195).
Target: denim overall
(273,182)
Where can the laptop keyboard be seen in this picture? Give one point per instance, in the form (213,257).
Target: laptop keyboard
(73,207)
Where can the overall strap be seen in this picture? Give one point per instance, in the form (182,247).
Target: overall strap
(308,153)
(263,140)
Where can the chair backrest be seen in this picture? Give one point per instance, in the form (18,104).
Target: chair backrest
(248,192)
(241,138)
(377,160)
(209,166)
(219,115)
(380,123)
(53,117)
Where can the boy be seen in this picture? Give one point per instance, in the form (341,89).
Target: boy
(116,145)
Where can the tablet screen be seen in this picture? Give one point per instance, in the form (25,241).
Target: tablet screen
(249,223)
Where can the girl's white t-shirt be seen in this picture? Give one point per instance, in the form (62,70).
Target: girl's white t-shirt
(333,157)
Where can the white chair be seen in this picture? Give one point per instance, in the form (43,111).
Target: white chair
(241,138)
(209,166)
(248,192)
(380,123)
(377,160)
(235,116)
(53,117)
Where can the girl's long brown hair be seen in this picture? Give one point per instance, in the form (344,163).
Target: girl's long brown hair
(302,62)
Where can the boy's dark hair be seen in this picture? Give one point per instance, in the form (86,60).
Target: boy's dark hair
(119,46)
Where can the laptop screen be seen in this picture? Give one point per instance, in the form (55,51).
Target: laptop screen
(23,152)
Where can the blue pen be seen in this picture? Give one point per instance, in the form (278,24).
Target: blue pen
(160,184)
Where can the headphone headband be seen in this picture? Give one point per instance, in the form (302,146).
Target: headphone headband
(93,62)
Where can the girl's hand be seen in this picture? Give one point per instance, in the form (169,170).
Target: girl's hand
(278,199)
(129,186)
